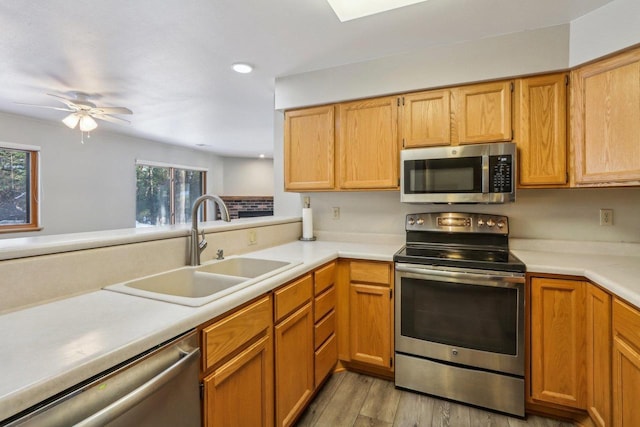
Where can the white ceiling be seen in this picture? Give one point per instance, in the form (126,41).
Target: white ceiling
(170,61)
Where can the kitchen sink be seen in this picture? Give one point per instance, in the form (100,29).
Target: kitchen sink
(243,267)
(196,286)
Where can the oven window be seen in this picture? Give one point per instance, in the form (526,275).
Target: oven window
(460,175)
(476,317)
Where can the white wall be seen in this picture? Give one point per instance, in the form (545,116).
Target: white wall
(612,27)
(92,186)
(565,214)
(247,177)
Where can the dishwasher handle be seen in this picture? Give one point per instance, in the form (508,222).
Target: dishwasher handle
(130,400)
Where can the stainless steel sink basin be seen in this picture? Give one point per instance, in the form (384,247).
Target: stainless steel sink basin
(196,286)
(243,267)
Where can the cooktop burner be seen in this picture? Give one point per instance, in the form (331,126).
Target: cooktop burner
(461,240)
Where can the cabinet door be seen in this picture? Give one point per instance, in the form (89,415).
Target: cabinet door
(240,392)
(626,365)
(309,149)
(558,342)
(425,119)
(483,113)
(368,144)
(541,130)
(294,365)
(605,121)
(598,355)
(370,324)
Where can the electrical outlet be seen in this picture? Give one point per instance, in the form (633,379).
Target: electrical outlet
(252,237)
(606,216)
(336,213)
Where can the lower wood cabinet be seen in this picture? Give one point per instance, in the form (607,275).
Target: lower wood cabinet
(626,365)
(598,324)
(558,342)
(294,348)
(237,366)
(370,314)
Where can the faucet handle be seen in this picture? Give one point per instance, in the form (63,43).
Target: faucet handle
(203,243)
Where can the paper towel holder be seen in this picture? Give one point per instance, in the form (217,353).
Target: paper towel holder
(308,239)
(307,204)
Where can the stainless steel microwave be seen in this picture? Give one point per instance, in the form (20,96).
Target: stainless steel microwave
(479,173)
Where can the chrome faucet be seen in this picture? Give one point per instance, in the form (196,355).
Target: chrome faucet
(197,245)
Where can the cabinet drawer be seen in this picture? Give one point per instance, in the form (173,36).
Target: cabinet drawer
(324,328)
(326,358)
(324,277)
(370,272)
(292,296)
(325,303)
(626,322)
(234,331)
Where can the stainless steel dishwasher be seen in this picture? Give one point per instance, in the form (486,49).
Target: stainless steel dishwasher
(157,388)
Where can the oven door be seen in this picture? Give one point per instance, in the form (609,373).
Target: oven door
(468,317)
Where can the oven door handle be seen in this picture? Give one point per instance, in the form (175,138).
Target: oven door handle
(460,275)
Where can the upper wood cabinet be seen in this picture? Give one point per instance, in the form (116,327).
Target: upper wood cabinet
(309,146)
(540,130)
(425,118)
(483,113)
(605,121)
(368,144)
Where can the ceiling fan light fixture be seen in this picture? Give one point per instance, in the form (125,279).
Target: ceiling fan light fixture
(87,124)
(71,121)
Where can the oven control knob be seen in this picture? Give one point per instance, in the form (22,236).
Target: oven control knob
(501,224)
(480,222)
(490,222)
(420,221)
(411,221)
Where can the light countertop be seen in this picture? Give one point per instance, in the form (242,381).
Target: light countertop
(49,348)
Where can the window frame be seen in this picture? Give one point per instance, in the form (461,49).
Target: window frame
(34,189)
(172,168)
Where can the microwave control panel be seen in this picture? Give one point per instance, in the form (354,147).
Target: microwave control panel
(500,174)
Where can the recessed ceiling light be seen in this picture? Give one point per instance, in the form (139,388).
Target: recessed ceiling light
(240,67)
(354,9)
(261,156)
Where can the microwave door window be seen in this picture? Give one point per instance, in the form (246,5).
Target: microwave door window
(462,175)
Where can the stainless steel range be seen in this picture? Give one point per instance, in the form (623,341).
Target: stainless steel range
(459,307)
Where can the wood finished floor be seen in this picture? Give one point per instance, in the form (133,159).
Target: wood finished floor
(350,399)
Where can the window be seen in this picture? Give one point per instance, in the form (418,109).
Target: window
(18,188)
(165,193)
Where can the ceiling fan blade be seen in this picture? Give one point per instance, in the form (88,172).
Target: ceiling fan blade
(109,118)
(111,110)
(66,101)
(46,106)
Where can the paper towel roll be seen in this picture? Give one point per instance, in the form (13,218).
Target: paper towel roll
(307,223)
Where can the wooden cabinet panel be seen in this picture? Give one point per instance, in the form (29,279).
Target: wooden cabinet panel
(370,324)
(240,392)
(294,365)
(626,365)
(309,147)
(606,121)
(425,119)
(292,296)
(324,303)
(483,113)
(558,342)
(324,328)
(598,316)
(324,277)
(541,130)
(370,272)
(326,358)
(231,333)
(368,144)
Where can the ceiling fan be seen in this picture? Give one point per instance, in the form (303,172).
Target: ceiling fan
(84,112)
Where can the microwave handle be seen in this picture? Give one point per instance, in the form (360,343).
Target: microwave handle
(485,174)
